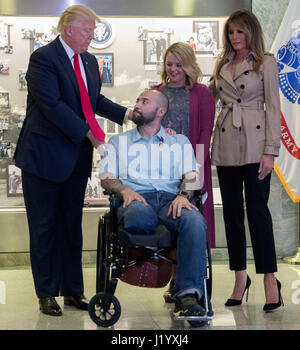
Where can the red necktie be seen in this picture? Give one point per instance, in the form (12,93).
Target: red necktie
(86,103)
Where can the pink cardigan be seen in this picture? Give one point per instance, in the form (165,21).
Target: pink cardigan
(202,113)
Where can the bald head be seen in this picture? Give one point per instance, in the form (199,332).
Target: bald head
(150,107)
(159,97)
(162,100)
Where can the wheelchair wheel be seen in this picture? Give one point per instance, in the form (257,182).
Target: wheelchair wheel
(104,309)
(197,324)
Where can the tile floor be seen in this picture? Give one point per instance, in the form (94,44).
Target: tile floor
(144,309)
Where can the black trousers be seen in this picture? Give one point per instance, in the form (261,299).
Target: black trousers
(54,213)
(233,180)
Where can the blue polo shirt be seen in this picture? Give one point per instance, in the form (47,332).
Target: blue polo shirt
(148,165)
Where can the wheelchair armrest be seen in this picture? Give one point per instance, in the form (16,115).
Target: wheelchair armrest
(115,199)
(108,192)
(198,198)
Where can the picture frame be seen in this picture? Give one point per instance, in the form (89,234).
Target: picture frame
(22,79)
(4,67)
(206,79)
(28,33)
(4,124)
(4,35)
(190,39)
(155,46)
(5,149)
(207,36)
(106,68)
(4,99)
(14,181)
(41,39)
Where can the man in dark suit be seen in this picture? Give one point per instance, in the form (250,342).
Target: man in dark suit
(54,151)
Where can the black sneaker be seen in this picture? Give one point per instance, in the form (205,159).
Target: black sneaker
(188,306)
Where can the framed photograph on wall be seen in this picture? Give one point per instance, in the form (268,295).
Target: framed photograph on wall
(5,149)
(4,67)
(22,79)
(207,36)
(206,79)
(190,39)
(14,181)
(106,68)
(3,35)
(4,99)
(155,46)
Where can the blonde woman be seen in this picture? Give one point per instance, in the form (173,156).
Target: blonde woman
(246,140)
(191,113)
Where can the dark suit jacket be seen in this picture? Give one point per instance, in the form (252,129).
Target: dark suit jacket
(55,127)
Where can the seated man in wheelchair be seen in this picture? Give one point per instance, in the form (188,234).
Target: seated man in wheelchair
(139,166)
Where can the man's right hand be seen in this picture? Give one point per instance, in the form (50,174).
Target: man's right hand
(129,196)
(95,142)
(99,145)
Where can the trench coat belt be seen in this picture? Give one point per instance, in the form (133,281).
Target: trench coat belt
(236,109)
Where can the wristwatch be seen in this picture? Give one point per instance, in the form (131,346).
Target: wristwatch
(183,193)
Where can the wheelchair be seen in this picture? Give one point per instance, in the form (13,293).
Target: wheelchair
(114,259)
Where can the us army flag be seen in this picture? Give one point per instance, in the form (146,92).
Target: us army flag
(286,49)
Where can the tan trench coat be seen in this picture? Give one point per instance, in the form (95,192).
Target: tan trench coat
(249,123)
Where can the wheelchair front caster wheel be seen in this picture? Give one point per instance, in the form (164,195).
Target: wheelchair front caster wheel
(104,309)
(197,324)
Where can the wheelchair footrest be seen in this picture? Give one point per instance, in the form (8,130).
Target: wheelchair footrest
(193,318)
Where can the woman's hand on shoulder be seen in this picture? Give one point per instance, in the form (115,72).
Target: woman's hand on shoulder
(170,131)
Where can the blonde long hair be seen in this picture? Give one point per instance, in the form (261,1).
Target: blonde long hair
(72,13)
(250,25)
(186,56)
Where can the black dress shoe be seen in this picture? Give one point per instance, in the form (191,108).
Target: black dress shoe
(49,306)
(79,301)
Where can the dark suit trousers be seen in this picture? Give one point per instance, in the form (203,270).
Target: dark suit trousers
(54,212)
(232,181)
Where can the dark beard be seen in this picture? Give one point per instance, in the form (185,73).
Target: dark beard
(140,120)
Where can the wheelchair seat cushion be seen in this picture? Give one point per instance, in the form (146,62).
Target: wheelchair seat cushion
(159,237)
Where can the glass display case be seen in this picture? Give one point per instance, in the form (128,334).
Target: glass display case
(129,45)
(129,52)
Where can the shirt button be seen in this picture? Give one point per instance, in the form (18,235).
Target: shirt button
(242,86)
(239,100)
(223,129)
(220,88)
(258,127)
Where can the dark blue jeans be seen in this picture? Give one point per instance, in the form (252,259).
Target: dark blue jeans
(191,236)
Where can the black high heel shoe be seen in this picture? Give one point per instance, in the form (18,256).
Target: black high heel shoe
(234,302)
(273,306)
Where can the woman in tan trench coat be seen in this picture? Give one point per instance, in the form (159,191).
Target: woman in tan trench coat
(245,141)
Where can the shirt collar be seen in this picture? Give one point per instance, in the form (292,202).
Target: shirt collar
(70,52)
(232,54)
(160,136)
